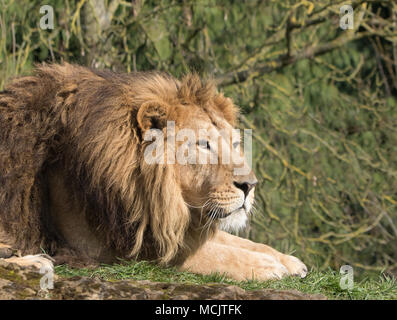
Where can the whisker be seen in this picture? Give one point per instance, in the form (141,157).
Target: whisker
(191,206)
(211,217)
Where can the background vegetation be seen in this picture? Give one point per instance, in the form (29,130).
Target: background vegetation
(321,101)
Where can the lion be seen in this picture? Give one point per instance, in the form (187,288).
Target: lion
(74,181)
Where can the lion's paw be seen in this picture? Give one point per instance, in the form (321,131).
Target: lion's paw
(294,266)
(275,272)
(5,251)
(267,268)
(37,261)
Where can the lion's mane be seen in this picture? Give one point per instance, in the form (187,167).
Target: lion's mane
(86,122)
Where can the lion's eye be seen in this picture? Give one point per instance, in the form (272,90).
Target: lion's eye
(236,144)
(204,144)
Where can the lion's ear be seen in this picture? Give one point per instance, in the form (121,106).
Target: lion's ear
(153,115)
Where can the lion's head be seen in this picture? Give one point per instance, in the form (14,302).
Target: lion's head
(96,126)
(195,125)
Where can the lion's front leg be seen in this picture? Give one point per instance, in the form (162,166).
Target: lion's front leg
(237,263)
(293,264)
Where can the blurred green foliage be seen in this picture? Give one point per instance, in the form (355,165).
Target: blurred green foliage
(320,100)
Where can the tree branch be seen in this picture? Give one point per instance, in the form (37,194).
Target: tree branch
(288,57)
(284,60)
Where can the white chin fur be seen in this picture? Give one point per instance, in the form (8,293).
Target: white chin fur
(235,222)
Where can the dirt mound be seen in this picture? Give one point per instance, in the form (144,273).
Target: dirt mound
(18,282)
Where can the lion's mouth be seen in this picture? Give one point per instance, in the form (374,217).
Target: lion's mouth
(224,214)
(234,219)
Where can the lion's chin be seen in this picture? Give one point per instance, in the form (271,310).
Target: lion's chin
(235,221)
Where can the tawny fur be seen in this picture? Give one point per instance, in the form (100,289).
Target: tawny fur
(86,122)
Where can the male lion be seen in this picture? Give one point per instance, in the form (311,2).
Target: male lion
(74,180)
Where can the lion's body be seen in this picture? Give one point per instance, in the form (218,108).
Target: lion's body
(77,130)
(72,171)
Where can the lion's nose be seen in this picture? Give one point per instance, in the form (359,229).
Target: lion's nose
(246,186)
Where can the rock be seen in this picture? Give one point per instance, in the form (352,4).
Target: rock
(18,282)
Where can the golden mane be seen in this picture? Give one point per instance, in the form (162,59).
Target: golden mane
(86,120)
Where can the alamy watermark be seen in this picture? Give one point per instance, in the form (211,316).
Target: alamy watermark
(346,20)
(45,263)
(200,146)
(346,281)
(47,20)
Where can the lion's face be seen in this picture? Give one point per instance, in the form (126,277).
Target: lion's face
(211,181)
(216,181)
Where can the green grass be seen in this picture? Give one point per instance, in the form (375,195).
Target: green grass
(327,283)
